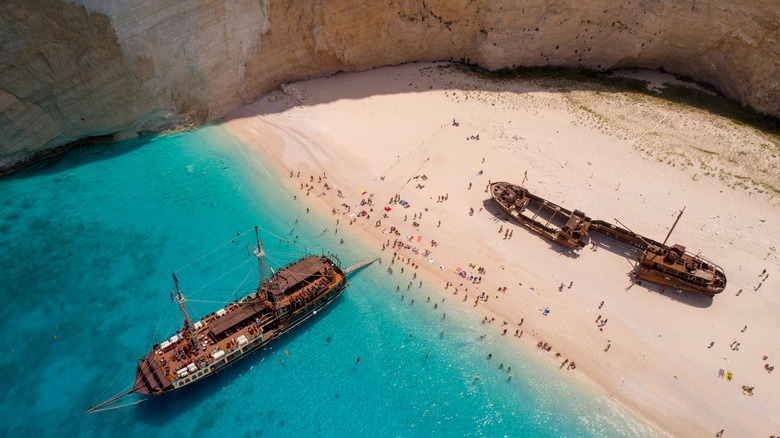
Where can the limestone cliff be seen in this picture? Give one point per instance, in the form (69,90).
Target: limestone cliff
(73,70)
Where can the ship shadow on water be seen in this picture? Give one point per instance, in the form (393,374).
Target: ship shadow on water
(160,410)
(494,210)
(80,153)
(631,255)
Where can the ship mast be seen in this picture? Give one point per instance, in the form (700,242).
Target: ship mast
(674,225)
(179,298)
(273,288)
(260,253)
(262,266)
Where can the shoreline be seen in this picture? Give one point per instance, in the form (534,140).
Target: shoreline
(298,129)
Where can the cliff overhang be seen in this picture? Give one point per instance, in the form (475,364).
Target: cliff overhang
(100,69)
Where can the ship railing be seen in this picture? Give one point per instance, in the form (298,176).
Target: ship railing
(228,352)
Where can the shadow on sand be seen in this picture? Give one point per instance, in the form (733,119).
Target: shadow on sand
(548,79)
(631,254)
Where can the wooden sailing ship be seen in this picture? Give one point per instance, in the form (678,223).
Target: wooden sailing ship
(203,348)
(569,228)
(661,264)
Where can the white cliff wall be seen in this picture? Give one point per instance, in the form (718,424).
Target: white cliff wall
(71,70)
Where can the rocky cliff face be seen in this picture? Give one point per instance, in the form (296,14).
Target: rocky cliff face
(73,70)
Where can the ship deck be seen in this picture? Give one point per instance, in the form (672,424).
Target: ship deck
(250,317)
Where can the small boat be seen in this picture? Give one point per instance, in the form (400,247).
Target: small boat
(201,349)
(569,228)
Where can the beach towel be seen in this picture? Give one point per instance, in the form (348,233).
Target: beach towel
(362,192)
(419,238)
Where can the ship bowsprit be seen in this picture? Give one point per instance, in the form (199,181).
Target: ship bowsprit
(357,266)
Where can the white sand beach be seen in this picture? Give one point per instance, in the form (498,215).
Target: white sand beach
(628,156)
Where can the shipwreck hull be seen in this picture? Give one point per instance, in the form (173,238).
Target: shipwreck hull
(551,221)
(679,269)
(660,264)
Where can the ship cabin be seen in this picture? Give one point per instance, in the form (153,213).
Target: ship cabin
(298,285)
(252,313)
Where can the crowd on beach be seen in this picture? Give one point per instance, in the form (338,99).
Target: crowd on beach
(411,198)
(406,247)
(404,223)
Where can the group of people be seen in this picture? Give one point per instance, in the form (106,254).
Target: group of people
(398,244)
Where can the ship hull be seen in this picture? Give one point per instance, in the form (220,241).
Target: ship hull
(203,348)
(660,264)
(259,343)
(540,216)
(651,267)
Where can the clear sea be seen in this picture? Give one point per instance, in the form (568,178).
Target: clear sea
(88,242)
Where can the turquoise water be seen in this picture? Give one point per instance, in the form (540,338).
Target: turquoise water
(87,245)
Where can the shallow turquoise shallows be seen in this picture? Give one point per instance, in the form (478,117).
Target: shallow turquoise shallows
(88,242)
